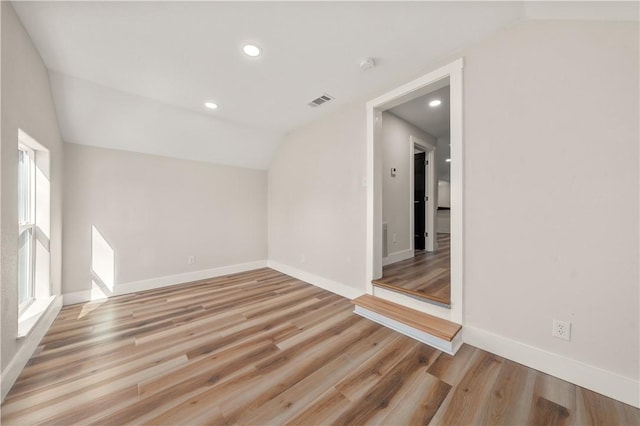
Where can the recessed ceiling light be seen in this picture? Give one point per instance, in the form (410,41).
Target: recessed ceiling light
(435,103)
(211,105)
(251,50)
(448,160)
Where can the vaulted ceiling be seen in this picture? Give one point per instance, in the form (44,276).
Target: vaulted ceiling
(135,75)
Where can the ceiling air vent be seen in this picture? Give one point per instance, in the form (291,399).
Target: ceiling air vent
(320,100)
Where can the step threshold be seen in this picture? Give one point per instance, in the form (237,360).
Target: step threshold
(424,297)
(437,332)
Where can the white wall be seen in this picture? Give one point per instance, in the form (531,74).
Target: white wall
(444,193)
(567,87)
(443,219)
(551,149)
(442,153)
(396,134)
(155,212)
(26,105)
(317,200)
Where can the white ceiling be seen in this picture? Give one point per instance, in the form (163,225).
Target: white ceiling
(433,120)
(95,115)
(134,75)
(436,121)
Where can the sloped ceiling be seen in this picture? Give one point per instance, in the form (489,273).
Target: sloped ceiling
(135,75)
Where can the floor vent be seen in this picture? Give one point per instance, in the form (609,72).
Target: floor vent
(320,100)
(385,247)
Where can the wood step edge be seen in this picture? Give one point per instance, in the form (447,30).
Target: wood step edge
(438,327)
(414,293)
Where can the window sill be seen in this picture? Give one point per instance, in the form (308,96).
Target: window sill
(30,317)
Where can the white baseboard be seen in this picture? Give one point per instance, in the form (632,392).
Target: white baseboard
(169,280)
(397,256)
(29,345)
(325,283)
(596,379)
(76,297)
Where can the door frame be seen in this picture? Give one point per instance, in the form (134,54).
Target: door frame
(430,243)
(374,109)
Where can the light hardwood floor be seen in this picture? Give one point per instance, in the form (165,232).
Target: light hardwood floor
(263,348)
(426,275)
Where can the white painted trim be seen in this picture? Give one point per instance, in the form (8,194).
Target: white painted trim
(336,287)
(457,187)
(449,347)
(76,297)
(374,197)
(374,109)
(397,256)
(409,91)
(31,316)
(26,139)
(596,379)
(29,345)
(169,280)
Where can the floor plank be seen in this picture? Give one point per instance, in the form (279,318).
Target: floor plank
(263,348)
(427,275)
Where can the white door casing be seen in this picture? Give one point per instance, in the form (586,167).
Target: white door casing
(402,94)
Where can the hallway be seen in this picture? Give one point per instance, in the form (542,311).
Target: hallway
(426,275)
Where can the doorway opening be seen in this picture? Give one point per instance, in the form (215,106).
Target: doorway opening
(439,209)
(424,123)
(422,195)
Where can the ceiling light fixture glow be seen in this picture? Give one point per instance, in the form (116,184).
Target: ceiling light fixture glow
(435,103)
(211,105)
(448,160)
(251,50)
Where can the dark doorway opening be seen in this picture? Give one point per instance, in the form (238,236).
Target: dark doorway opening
(419,200)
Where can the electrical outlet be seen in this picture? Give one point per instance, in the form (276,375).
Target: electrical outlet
(394,238)
(191,260)
(561,329)
(303,258)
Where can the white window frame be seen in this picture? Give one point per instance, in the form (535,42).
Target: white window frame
(28,223)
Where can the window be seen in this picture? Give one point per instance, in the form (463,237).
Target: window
(34,232)
(27,226)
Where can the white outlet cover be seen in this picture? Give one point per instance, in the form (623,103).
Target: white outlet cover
(561,329)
